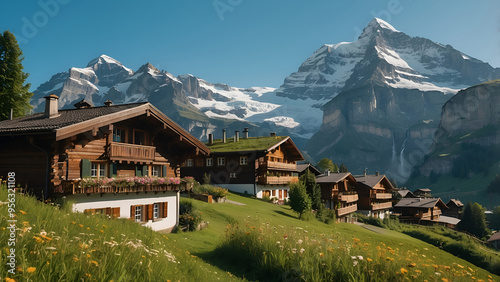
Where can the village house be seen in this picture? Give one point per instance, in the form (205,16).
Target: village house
(375,195)
(454,208)
(338,193)
(420,210)
(118,160)
(495,240)
(422,193)
(302,168)
(260,166)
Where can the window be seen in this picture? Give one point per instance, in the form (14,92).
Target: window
(156,211)
(210,162)
(232,175)
(94,170)
(118,135)
(221,161)
(102,170)
(189,163)
(285,193)
(139,137)
(243,160)
(110,212)
(138,213)
(156,170)
(146,170)
(273,192)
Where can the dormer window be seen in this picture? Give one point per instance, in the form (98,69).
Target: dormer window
(118,135)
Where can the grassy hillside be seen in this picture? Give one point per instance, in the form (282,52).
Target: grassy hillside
(254,241)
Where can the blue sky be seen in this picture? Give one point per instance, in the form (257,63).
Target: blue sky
(239,42)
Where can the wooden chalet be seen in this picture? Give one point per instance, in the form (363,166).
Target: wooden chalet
(338,193)
(301,169)
(423,193)
(260,166)
(420,210)
(454,208)
(495,240)
(85,153)
(375,195)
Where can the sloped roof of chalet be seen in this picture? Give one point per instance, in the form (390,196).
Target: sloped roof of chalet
(456,202)
(303,167)
(422,190)
(74,121)
(263,144)
(495,237)
(372,180)
(420,203)
(334,177)
(404,192)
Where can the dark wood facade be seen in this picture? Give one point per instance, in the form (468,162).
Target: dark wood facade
(338,193)
(420,209)
(375,195)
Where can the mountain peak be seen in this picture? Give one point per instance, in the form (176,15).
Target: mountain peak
(146,67)
(103,59)
(377,25)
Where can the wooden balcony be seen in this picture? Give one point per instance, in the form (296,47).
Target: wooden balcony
(382,196)
(277,180)
(436,212)
(131,152)
(347,210)
(72,187)
(381,206)
(278,165)
(348,198)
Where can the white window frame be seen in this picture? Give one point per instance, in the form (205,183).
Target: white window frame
(232,175)
(189,163)
(138,214)
(221,161)
(156,210)
(243,160)
(94,170)
(210,162)
(155,171)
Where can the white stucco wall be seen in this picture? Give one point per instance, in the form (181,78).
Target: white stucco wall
(124,202)
(381,213)
(261,188)
(239,188)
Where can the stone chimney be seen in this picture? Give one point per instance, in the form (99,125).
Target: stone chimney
(376,173)
(210,139)
(272,134)
(245,133)
(327,172)
(51,106)
(108,103)
(236,136)
(223,136)
(364,172)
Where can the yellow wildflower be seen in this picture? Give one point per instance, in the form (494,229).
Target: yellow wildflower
(31,269)
(369,259)
(88,255)
(403,271)
(94,262)
(88,275)
(23,212)
(7,279)
(412,264)
(81,225)
(38,239)
(54,253)
(75,259)
(321,255)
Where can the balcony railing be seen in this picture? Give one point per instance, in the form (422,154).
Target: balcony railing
(348,198)
(278,165)
(381,206)
(73,187)
(437,212)
(123,151)
(277,180)
(346,210)
(382,196)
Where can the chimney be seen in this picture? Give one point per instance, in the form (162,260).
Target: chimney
(51,106)
(223,136)
(210,139)
(272,134)
(245,133)
(108,103)
(327,172)
(365,172)
(376,173)
(11,116)
(236,136)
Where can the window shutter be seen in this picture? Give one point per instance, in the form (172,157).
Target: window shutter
(132,212)
(164,171)
(150,212)
(145,170)
(113,168)
(165,209)
(138,170)
(108,211)
(86,165)
(115,212)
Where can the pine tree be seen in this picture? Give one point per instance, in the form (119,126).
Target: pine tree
(299,200)
(14,93)
(313,189)
(343,168)
(495,219)
(474,220)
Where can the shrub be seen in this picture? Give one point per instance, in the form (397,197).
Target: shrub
(216,192)
(189,217)
(299,200)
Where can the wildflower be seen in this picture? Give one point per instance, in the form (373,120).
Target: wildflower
(50,248)
(302,250)
(412,264)
(88,275)
(445,280)
(285,236)
(321,255)
(403,271)
(46,238)
(7,279)
(75,259)
(94,262)
(23,212)
(299,241)
(54,253)
(43,233)
(31,269)
(460,266)
(38,239)
(88,255)
(81,225)
(369,259)
(360,257)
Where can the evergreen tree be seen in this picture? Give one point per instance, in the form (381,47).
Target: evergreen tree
(495,219)
(14,93)
(299,200)
(494,186)
(313,189)
(474,220)
(325,164)
(343,168)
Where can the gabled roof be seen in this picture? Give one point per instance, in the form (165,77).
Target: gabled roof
(420,203)
(405,192)
(75,121)
(455,202)
(424,190)
(303,167)
(495,237)
(334,177)
(263,144)
(372,180)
